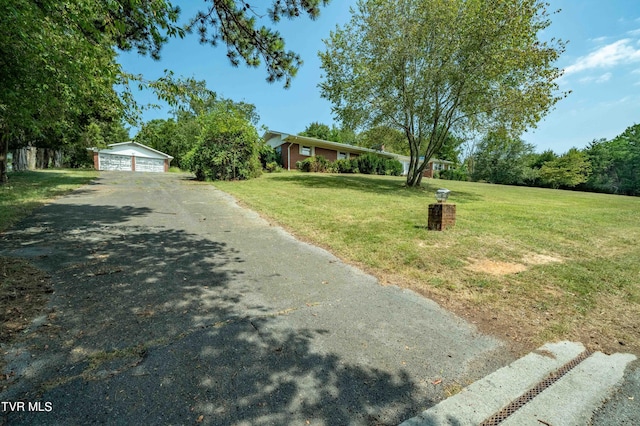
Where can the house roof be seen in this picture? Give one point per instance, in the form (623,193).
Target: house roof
(306,140)
(286,137)
(122,144)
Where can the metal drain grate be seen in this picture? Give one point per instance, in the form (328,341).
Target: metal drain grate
(502,415)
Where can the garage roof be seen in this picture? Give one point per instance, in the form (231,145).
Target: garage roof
(131,148)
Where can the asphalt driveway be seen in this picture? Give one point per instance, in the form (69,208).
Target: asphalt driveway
(173,305)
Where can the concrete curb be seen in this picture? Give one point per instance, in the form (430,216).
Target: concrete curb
(569,401)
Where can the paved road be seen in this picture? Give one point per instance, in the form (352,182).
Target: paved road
(173,305)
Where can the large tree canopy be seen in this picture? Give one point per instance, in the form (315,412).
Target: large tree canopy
(501,159)
(434,67)
(178,135)
(58,63)
(616,163)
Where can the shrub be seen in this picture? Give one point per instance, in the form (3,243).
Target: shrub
(454,174)
(343,166)
(269,155)
(227,148)
(305,165)
(272,167)
(321,164)
(392,167)
(367,163)
(317,164)
(371,164)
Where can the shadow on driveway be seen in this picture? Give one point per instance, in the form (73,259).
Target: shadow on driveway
(150,324)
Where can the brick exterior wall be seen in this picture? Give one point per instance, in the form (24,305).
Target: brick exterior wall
(96,162)
(295,155)
(441,216)
(329,154)
(428,171)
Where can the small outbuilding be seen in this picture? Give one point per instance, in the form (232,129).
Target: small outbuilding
(130,156)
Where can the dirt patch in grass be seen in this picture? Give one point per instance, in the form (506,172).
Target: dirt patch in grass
(494,267)
(540,259)
(24,292)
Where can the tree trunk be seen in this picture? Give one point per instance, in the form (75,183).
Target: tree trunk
(42,158)
(57,159)
(4,151)
(24,159)
(414,178)
(31,153)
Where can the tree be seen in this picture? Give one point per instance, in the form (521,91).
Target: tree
(430,68)
(393,140)
(317,130)
(57,58)
(450,149)
(178,135)
(227,148)
(568,170)
(616,163)
(538,160)
(335,134)
(603,177)
(501,159)
(159,134)
(233,22)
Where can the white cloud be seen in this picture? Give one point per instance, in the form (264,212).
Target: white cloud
(601,79)
(634,33)
(619,52)
(599,39)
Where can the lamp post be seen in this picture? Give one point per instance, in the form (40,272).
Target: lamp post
(442,195)
(442,215)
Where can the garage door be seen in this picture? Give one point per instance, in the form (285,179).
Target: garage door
(149,165)
(114,162)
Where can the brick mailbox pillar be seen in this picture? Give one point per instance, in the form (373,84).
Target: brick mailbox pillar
(441,216)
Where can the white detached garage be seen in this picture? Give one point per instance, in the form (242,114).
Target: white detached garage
(130,156)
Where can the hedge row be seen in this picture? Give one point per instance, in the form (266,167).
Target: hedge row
(368,163)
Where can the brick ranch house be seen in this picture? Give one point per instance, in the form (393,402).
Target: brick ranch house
(293,148)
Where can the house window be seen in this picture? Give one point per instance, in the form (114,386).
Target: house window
(438,166)
(306,150)
(343,155)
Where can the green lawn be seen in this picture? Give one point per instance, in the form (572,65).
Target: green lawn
(29,190)
(535,264)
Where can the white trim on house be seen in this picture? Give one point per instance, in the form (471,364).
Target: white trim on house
(130,156)
(133,149)
(277,140)
(307,150)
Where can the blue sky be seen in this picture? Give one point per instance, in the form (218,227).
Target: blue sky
(601,63)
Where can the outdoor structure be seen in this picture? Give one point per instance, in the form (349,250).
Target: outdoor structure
(294,148)
(130,156)
(441,215)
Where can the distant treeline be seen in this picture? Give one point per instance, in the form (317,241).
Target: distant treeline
(610,166)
